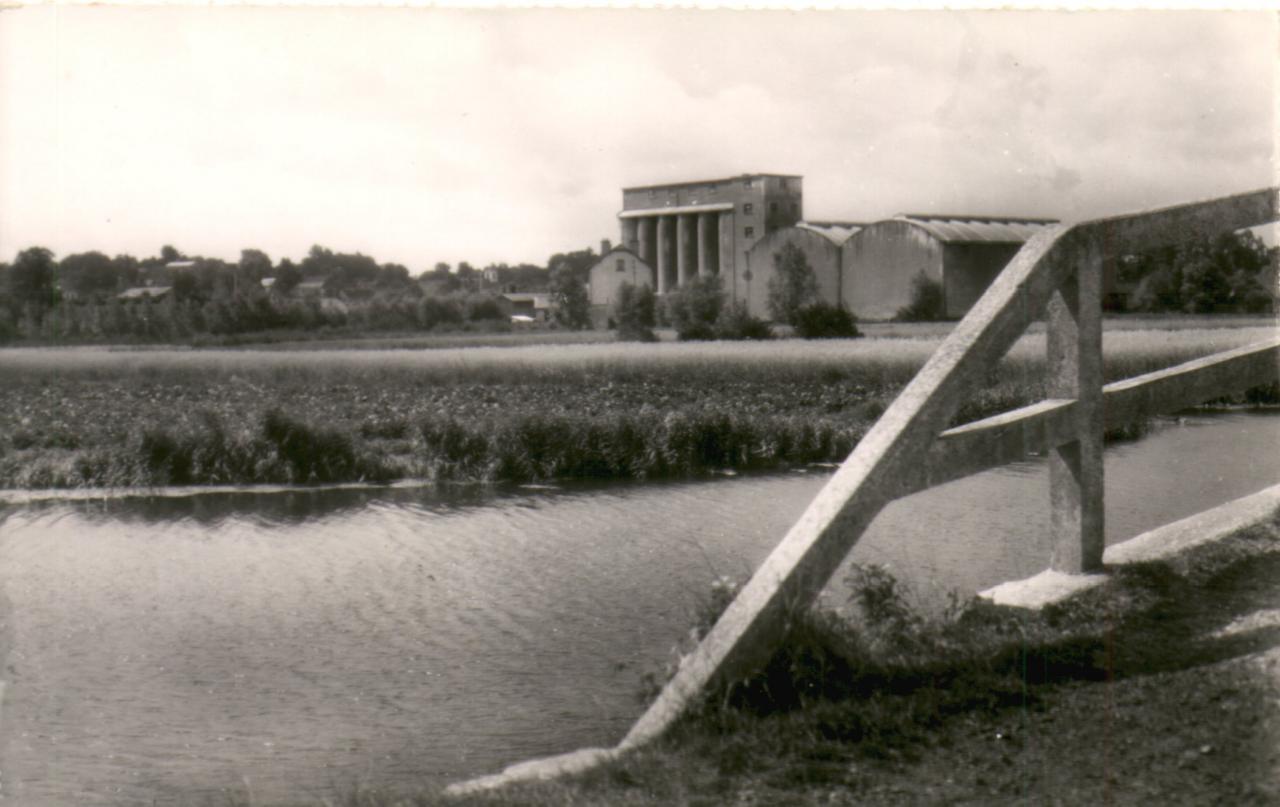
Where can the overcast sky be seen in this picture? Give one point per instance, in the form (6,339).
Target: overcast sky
(421,135)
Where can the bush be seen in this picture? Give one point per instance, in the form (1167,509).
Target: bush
(736,323)
(634,312)
(825,321)
(437,311)
(572,303)
(487,309)
(695,308)
(310,453)
(928,303)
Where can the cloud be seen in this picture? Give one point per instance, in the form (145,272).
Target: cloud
(425,135)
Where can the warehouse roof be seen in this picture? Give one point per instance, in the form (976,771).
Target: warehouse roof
(835,231)
(687,184)
(969,229)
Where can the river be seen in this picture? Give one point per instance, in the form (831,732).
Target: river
(274,644)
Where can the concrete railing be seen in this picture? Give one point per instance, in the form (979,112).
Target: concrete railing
(1058,275)
(907,449)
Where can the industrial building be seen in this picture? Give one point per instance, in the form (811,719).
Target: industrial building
(961,253)
(820,243)
(707,227)
(734,227)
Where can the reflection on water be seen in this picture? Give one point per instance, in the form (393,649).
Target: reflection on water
(158,649)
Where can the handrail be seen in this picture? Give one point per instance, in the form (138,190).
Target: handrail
(1058,272)
(1059,268)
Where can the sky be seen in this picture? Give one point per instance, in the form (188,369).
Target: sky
(421,135)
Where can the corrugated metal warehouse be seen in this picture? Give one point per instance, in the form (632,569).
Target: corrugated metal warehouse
(819,241)
(962,253)
(716,227)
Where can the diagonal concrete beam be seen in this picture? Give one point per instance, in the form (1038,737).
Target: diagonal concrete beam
(796,571)
(887,462)
(801,565)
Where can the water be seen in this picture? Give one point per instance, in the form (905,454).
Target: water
(173,649)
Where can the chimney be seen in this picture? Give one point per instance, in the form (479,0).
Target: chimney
(605,246)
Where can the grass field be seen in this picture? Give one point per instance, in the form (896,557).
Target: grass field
(93,417)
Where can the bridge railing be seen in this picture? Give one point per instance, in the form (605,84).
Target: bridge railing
(1058,275)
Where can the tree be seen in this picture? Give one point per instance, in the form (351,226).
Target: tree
(1205,287)
(393,275)
(634,311)
(33,281)
(1227,273)
(186,286)
(86,275)
(695,307)
(579,262)
(288,277)
(318,263)
(793,285)
(569,293)
(125,267)
(168,254)
(254,264)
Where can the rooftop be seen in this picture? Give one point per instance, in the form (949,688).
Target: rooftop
(977,229)
(836,231)
(709,181)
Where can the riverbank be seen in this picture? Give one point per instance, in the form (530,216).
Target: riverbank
(1161,686)
(86,418)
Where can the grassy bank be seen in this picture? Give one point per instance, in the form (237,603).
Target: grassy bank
(1159,687)
(95,417)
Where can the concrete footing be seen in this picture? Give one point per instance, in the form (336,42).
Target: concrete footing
(1043,589)
(1162,543)
(536,770)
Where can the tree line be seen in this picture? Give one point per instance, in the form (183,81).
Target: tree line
(78,298)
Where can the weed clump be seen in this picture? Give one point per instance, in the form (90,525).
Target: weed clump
(311,453)
(822,320)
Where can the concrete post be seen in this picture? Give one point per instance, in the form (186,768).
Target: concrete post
(664,251)
(646,240)
(704,255)
(630,235)
(682,249)
(727,275)
(1075,371)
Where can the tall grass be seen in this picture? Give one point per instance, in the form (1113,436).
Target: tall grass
(872,362)
(97,417)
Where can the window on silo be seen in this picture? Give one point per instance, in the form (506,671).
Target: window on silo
(749,232)
(746,183)
(746,208)
(773,207)
(622,265)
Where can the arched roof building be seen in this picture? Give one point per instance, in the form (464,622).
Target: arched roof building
(963,254)
(819,241)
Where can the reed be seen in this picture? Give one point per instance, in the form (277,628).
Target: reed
(93,417)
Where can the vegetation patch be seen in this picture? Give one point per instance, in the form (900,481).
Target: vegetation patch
(89,417)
